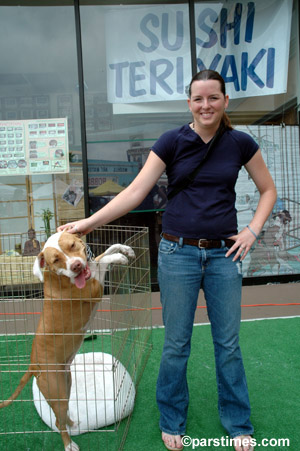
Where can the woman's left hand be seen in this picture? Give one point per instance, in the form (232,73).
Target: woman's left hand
(243,243)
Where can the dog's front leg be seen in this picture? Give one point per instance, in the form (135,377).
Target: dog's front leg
(100,265)
(99,268)
(118,248)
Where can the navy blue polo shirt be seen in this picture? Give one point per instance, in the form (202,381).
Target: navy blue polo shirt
(206,208)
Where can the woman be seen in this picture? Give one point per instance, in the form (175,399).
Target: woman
(199,235)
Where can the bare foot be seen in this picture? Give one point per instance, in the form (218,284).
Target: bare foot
(243,443)
(172,442)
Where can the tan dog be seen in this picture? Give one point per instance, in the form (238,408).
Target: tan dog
(72,288)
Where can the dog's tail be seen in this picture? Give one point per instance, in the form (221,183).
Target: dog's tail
(27,376)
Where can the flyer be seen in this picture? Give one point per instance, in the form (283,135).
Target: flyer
(34,146)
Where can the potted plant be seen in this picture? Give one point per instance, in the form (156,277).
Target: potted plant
(47,215)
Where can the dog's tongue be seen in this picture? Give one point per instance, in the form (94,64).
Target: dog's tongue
(82,277)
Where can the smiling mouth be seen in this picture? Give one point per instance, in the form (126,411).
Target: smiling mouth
(80,280)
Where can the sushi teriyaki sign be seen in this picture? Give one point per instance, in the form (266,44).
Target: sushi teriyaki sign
(148,48)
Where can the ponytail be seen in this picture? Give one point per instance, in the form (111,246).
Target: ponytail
(226,122)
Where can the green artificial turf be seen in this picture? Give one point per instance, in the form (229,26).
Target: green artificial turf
(271,357)
(272,362)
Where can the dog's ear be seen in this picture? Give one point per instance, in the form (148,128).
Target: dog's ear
(39,263)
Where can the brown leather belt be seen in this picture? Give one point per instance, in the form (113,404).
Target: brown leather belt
(201,243)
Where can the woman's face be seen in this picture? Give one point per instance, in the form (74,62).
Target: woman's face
(207,103)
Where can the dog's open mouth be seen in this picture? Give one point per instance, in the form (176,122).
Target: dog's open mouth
(80,280)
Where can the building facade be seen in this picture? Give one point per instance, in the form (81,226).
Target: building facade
(86,87)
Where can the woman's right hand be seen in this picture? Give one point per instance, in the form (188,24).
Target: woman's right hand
(82,227)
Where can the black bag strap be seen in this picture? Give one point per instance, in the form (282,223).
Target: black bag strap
(191,177)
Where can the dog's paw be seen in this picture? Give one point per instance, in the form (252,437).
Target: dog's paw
(72,446)
(121,259)
(128,251)
(118,258)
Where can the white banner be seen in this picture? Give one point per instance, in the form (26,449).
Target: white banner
(148,48)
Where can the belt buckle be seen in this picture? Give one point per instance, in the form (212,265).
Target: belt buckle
(199,243)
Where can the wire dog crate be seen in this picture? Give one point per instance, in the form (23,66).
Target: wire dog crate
(109,363)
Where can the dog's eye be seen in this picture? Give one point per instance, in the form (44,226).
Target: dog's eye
(55,260)
(72,245)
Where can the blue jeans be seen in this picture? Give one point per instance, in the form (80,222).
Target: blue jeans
(182,271)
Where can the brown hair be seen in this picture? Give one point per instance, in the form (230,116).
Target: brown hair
(208,74)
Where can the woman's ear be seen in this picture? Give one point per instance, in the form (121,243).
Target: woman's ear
(226,101)
(189,103)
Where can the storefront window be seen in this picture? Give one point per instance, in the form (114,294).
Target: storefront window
(38,82)
(137,64)
(134,56)
(138,58)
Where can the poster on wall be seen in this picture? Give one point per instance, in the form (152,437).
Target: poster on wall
(247,42)
(35,146)
(73,193)
(277,249)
